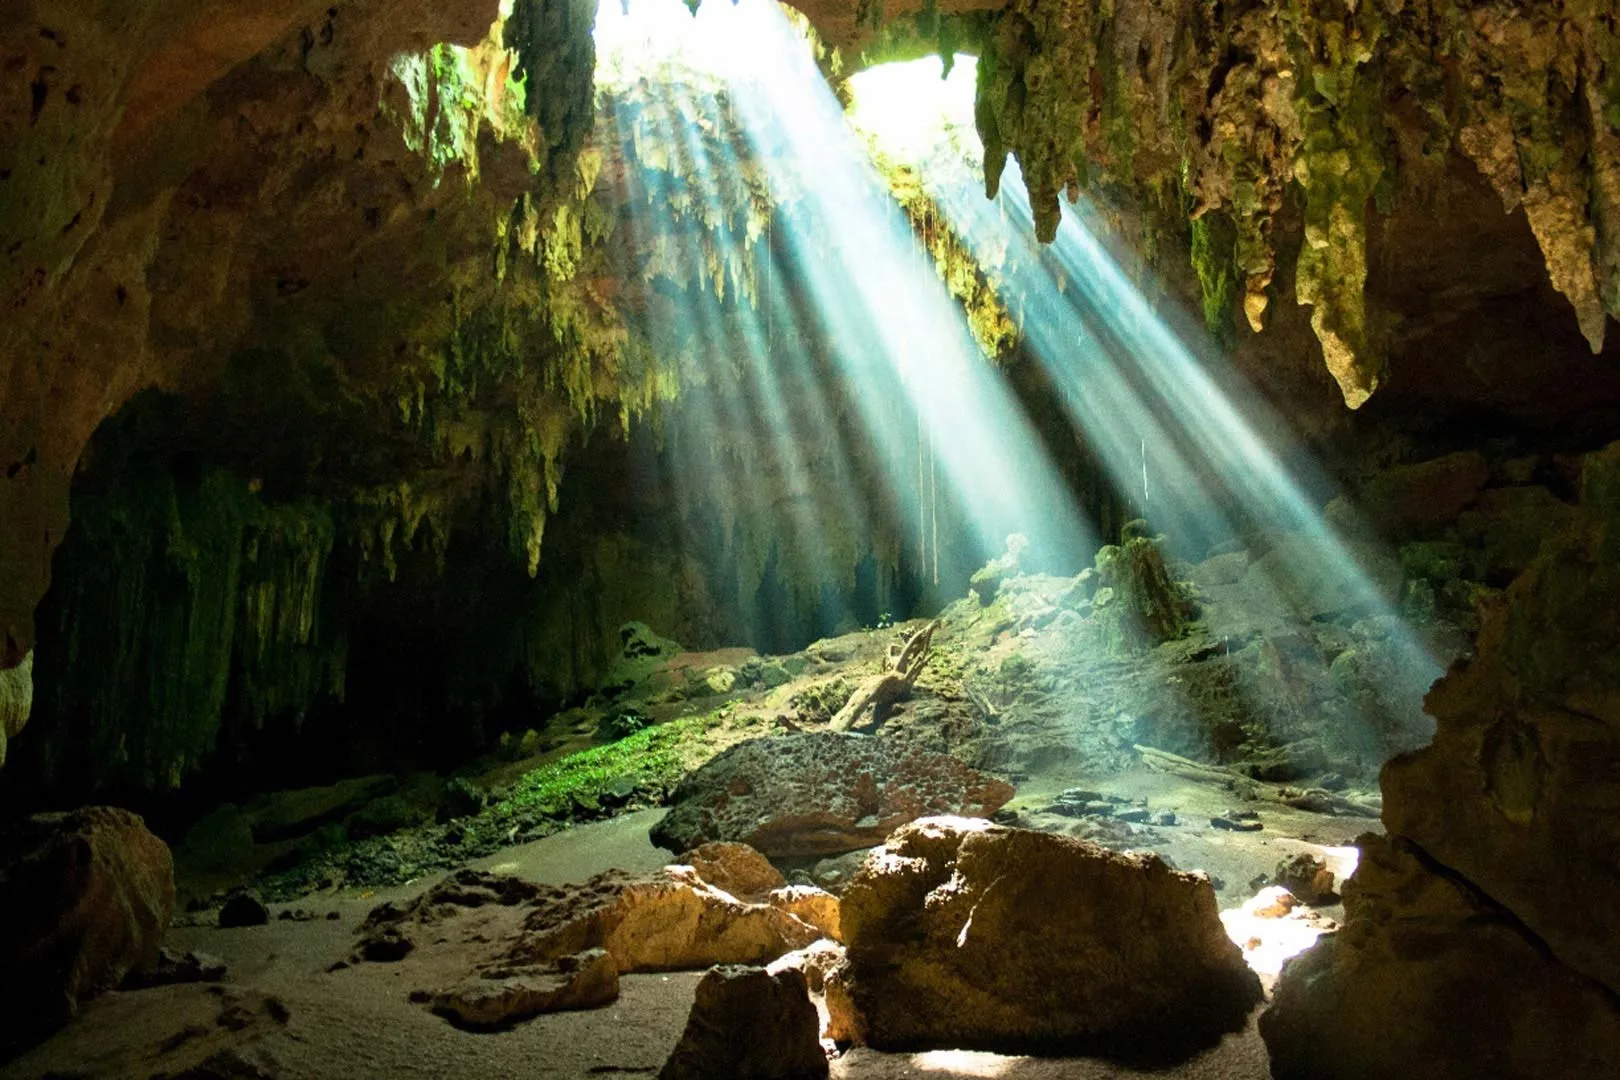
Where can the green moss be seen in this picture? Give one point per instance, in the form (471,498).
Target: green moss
(1214,259)
(652,759)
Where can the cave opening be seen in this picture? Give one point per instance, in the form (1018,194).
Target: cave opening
(837,539)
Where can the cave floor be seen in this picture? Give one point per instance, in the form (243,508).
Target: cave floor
(280,1013)
(1013,688)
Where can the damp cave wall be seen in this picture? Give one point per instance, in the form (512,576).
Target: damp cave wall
(1479,343)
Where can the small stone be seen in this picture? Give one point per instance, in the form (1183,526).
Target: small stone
(1308,878)
(1137,815)
(1165,818)
(1230,824)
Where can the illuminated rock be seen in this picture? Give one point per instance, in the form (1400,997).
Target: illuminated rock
(736,868)
(821,793)
(963,934)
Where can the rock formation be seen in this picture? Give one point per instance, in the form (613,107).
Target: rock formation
(1497,884)
(821,793)
(749,1024)
(488,951)
(87,898)
(965,934)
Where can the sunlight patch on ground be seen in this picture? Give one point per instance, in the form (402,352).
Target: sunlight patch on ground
(963,1062)
(1272,926)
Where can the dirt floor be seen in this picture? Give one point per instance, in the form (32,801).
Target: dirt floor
(280,1013)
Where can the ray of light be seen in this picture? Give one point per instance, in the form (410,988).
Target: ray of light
(1185,448)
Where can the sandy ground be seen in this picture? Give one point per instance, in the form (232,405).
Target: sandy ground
(281,1014)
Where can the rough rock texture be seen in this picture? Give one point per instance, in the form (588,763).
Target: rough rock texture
(1273,119)
(1430,978)
(586,981)
(488,950)
(1517,792)
(672,920)
(1497,887)
(965,934)
(820,793)
(87,896)
(809,904)
(749,1024)
(736,868)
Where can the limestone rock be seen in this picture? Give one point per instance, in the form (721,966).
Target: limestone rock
(667,921)
(1308,878)
(963,934)
(816,960)
(87,896)
(811,905)
(820,793)
(586,981)
(749,1024)
(1429,978)
(1517,790)
(736,868)
(173,967)
(835,872)
(1427,495)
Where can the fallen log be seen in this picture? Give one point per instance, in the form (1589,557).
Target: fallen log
(880,691)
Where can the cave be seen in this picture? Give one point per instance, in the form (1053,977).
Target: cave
(962,538)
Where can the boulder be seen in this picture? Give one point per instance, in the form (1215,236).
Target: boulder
(86,896)
(667,921)
(1428,495)
(284,815)
(964,934)
(243,909)
(811,905)
(586,981)
(1307,877)
(1428,978)
(736,868)
(821,793)
(489,950)
(749,1024)
(171,968)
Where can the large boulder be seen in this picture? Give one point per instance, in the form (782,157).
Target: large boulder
(821,793)
(667,921)
(963,934)
(1429,978)
(86,897)
(749,1024)
(1428,495)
